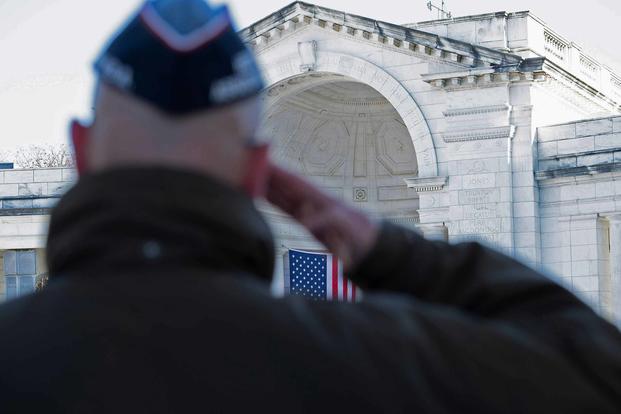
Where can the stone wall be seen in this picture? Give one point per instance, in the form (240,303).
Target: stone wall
(579,178)
(26,197)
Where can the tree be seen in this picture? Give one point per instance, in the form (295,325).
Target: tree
(43,156)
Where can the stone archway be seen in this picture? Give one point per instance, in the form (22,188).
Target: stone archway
(312,61)
(347,138)
(402,144)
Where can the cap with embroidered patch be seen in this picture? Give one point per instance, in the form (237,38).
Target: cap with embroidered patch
(181,56)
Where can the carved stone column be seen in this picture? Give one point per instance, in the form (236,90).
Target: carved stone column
(615,266)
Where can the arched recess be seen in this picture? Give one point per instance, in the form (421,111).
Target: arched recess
(365,72)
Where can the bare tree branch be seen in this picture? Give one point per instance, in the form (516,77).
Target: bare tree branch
(42,156)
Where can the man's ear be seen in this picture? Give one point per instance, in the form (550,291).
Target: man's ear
(257,169)
(79,141)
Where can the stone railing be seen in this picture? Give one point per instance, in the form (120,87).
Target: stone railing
(555,47)
(570,57)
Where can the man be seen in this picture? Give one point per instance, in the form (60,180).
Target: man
(160,266)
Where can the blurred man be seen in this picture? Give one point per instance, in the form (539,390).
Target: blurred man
(160,267)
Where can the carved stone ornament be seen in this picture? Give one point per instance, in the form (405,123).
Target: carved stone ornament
(361,194)
(426,184)
(308,55)
(480,134)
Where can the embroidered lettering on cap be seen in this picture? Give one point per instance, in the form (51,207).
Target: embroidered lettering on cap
(245,79)
(115,72)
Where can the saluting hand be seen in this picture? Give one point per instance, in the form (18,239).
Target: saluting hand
(345,231)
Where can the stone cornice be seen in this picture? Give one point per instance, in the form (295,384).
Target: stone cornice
(480,134)
(578,171)
(300,14)
(476,110)
(526,70)
(426,184)
(540,70)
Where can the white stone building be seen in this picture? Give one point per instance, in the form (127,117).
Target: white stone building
(489,127)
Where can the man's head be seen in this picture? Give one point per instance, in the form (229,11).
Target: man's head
(177,88)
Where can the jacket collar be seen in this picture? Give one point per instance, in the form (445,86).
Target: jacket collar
(143,218)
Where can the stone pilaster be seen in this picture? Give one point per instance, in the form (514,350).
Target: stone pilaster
(478,138)
(615,266)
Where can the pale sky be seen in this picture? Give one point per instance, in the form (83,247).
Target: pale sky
(47,47)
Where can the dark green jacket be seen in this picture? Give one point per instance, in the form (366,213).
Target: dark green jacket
(159,301)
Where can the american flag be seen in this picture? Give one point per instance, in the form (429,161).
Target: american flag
(317,276)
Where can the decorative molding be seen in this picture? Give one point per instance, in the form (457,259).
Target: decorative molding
(428,184)
(506,65)
(480,134)
(476,110)
(298,15)
(405,221)
(528,70)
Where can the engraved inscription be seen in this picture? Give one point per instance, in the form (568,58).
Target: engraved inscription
(485,196)
(479,180)
(480,226)
(480,212)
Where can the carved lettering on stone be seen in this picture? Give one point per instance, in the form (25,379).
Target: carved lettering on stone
(479,180)
(484,196)
(480,226)
(480,212)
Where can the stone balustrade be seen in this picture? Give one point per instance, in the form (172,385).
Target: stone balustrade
(526,35)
